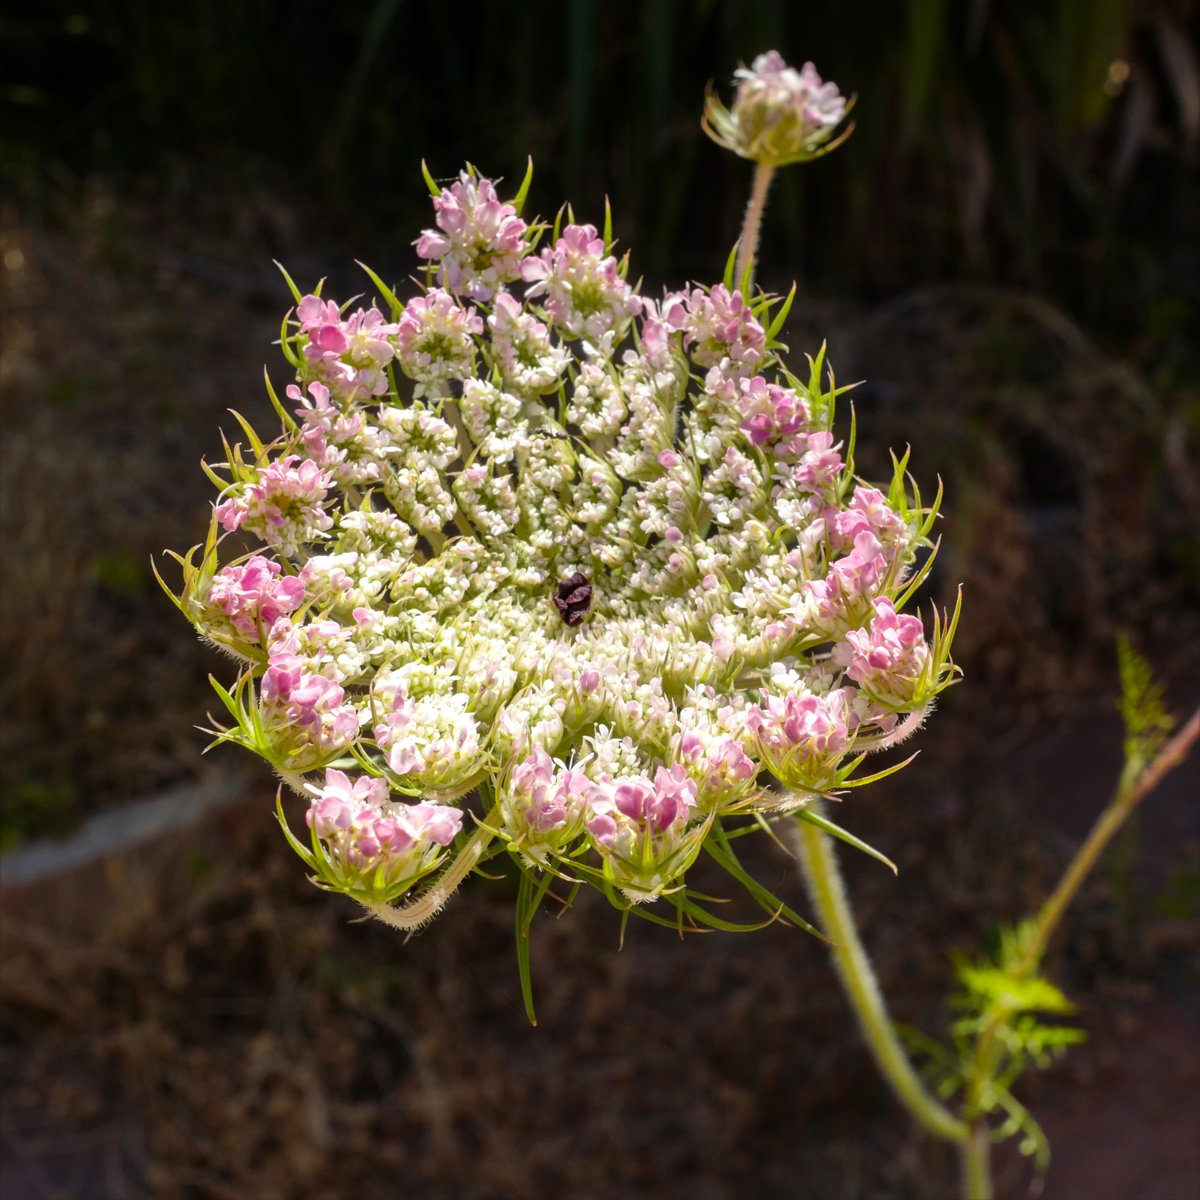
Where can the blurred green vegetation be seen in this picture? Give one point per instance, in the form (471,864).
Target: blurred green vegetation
(1040,143)
(32,807)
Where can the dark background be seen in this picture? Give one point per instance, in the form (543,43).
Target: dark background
(1006,251)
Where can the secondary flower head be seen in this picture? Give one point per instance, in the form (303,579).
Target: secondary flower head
(780,115)
(597,557)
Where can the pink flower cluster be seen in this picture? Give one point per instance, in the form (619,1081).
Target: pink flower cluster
(363,832)
(527,358)
(720,328)
(481,242)
(628,810)
(773,415)
(867,512)
(343,443)
(304,709)
(773,97)
(416,749)
(804,735)
(519,521)
(719,766)
(542,804)
(849,580)
(820,466)
(317,411)
(889,657)
(435,338)
(586,297)
(283,506)
(254,594)
(350,354)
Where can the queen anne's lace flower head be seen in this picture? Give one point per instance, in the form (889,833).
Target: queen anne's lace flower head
(597,558)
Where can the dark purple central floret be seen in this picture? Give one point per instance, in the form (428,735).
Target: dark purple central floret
(573,598)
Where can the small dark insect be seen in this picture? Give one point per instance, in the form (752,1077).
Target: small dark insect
(573,598)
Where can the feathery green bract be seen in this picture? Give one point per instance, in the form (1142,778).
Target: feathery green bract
(1147,722)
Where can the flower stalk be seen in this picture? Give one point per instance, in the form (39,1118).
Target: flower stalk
(976,1163)
(818,864)
(747,255)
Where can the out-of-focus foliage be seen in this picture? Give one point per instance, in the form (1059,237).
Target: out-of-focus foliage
(1147,722)
(1040,142)
(1011,1011)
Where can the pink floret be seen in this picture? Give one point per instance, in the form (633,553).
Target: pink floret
(255,594)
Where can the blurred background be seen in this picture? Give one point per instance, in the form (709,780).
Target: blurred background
(1007,252)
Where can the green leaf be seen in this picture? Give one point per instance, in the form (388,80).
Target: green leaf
(528,898)
(730,267)
(303,851)
(703,917)
(897,496)
(385,291)
(289,422)
(914,583)
(781,316)
(285,343)
(1147,722)
(852,441)
(847,779)
(213,478)
(518,201)
(255,441)
(434,190)
(235,709)
(188,569)
(296,293)
(718,847)
(844,835)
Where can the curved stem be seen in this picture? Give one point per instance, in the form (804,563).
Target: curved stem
(752,226)
(983,1062)
(1110,820)
(1127,798)
(903,729)
(428,904)
(818,863)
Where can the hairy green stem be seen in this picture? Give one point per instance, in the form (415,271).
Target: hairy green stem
(976,1160)
(752,226)
(818,862)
